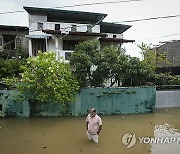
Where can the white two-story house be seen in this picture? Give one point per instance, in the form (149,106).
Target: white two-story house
(60,30)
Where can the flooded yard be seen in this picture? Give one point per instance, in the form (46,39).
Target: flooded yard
(67,135)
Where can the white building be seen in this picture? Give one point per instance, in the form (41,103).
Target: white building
(60,30)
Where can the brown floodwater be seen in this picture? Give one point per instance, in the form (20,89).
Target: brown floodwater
(67,135)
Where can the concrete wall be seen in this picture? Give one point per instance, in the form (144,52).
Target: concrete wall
(12,107)
(118,100)
(107,101)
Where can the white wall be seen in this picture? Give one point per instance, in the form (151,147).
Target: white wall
(34,19)
(52,44)
(37,18)
(33,22)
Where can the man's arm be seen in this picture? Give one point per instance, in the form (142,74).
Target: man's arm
(100,127)
(87,122)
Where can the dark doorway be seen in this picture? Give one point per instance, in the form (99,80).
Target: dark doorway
(38,45)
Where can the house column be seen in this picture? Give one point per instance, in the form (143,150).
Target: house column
(46,42)
(30,47)
(57,48)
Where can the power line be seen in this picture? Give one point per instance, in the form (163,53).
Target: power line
(77,5)
(160,37)
(99,3)
(152,18)
(11,12)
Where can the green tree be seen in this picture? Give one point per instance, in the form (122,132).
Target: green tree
(154,59)
(11,68)
(47,80)
(152,56)
(95,65)
(138,72)
(84,57)
(111,65)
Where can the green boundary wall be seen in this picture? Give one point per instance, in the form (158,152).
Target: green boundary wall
(107,101)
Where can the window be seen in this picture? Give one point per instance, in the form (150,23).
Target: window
(40,26)
(67,55)
(18,42)
(1,41)
(69,45)
(89,28)
(73,28)
(114,36)
(9,41)
(57,26)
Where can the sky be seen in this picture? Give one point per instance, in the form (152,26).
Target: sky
(149,32)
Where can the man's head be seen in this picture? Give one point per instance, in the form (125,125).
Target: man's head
(92,112)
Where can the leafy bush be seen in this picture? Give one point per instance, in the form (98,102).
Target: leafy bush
(11,68)
(175,80)
(46,80)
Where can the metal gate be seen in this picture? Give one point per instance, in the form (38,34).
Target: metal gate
(167,98)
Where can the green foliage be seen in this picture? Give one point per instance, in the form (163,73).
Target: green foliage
(110,63)
(11,68)
(20,53)
(152,56)
(137,72)
(83,58)
(154,59)
(46,80)
(17,53)
(167,79)
(175,80)
(11,82)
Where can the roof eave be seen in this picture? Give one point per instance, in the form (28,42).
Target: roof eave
(75,33)
(105,39)
(52,13)
(107,27)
